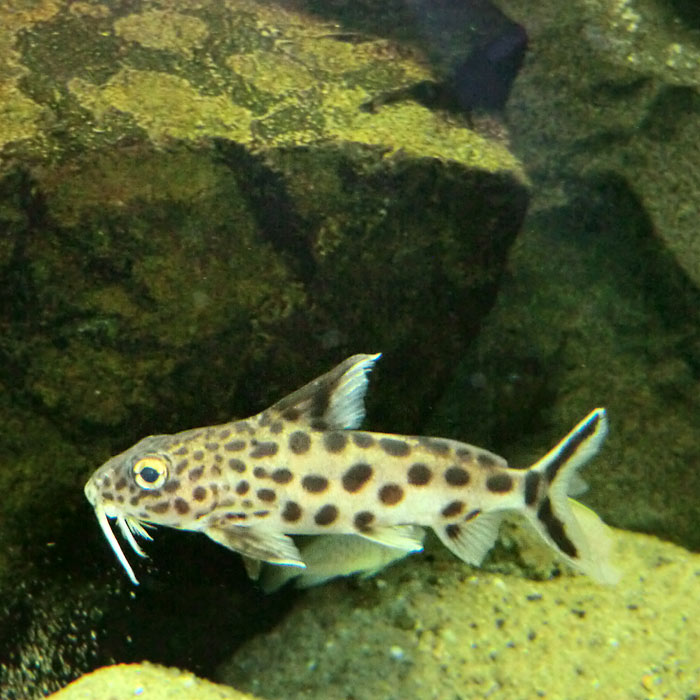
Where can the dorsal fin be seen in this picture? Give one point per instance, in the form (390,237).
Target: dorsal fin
(335,400)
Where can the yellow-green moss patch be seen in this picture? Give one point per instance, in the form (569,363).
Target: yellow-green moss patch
(162,29)
(165,106)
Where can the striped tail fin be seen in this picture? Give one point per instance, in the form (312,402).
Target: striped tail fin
(567,526)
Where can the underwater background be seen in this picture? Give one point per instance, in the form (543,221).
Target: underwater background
(206,203)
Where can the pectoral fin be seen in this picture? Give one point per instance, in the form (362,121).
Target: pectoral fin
(264,546)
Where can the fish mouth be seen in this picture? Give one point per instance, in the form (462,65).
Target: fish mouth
(129,527)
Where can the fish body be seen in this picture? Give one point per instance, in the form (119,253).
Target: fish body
(301,467)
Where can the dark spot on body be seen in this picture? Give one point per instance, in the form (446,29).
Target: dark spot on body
(106,482)
(181,506)
(181,451)
(456,476)
(161,507)
(242,487)
(291,414)
(395,447)
(235,516)
(390,494)
(356,477)
(326,515)
(434,445)
(276,427)
(363,440)
(120,499)
(299,442)
(264,419)
(313,483)
(260,473)
(499,483)
(319,425)
(199,493)
(211,446)
(242,426)
(121,483)
(363,520)
(264,449)
(235,445)
(485,460)
(281,476)
(196,473)
(532,487)
(134,500)
(267,495)
(171,486)
(224,434)
(291,512)
(181,466)
(237,465)
(452,531)
(419,474)
(464,454)
(453,509)
(107,496)
(215,470)
(198,456)
(320,401)
(335,441)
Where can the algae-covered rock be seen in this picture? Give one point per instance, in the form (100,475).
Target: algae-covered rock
(612,89)
(198,213)
(432,628)
(127,681)
(613,322)
(601,303)
(206,190)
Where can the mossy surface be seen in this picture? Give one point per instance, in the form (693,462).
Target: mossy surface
(245,71)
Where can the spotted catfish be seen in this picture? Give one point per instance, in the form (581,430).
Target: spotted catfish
(302,467)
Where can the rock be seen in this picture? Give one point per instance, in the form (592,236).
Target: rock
(427,629)
(601,303)
(126,681)
(612,90)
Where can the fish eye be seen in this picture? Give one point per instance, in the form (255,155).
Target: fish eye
(150,472)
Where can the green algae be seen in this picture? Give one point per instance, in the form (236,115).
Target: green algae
(163,30)
(242,72)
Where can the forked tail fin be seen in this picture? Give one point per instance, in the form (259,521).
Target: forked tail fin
(566,525)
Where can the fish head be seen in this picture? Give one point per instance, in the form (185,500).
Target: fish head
(128,488)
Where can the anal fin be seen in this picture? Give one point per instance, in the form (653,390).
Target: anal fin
(471,540)
(271,547)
